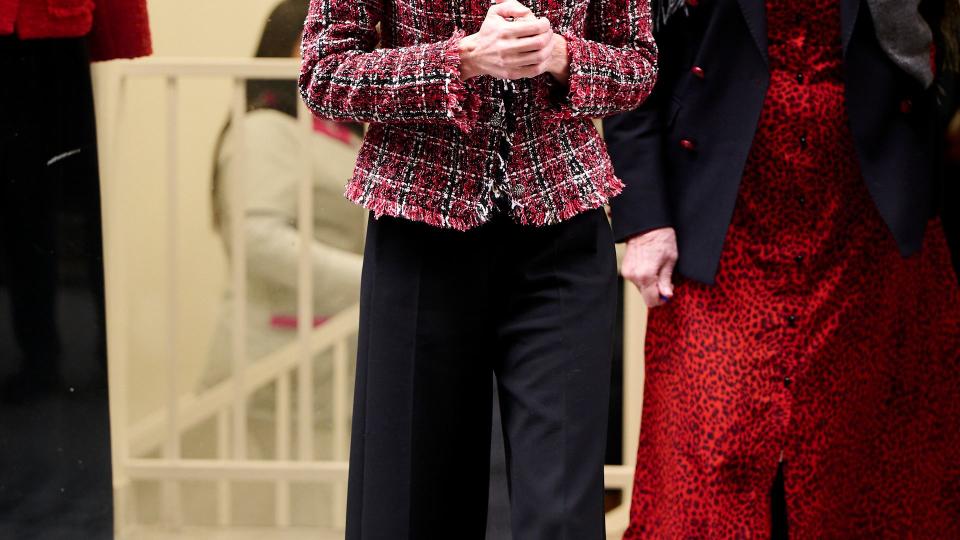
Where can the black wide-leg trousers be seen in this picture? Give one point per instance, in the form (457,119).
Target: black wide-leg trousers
(440,311)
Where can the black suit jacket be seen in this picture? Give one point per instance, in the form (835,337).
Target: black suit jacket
(683,153)
(949,104)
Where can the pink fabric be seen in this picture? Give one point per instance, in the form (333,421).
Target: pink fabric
(289,322)
(333,130)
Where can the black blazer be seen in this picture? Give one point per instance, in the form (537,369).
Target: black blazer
(949,104)
(683,153)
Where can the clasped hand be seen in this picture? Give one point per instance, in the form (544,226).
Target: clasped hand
(513,44)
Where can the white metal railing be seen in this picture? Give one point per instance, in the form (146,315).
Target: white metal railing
(150,449)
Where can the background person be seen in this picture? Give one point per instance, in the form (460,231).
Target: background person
(275,154)
(268,165)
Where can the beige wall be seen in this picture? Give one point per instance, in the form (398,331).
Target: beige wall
(135,194)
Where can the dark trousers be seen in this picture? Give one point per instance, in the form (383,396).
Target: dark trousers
(55,481)
(440,311)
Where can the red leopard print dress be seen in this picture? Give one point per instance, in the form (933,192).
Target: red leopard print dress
(819,345)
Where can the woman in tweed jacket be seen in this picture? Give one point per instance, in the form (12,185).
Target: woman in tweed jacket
(489,251)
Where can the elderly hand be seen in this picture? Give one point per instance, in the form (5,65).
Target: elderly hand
(511,44)
(649,262)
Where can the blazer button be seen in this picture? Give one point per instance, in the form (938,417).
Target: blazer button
(698,72)
(688,145)
(906,106)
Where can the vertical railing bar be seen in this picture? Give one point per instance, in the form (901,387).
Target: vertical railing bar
(117,309)
(238,261)
(224,489)
(340,424)
(634,326)
(305,433)
(282,508)
(172,446)
(340,400)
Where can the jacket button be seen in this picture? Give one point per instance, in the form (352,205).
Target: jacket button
(906,106)
(698,72)
(688,145)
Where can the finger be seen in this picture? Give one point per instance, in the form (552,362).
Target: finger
(510,8)
(529,59)
(534,61)
(531,43)
(521,28)
(526,28)
(508,4)
(665,280)
(648,285)
(533,69)
(645,281)
(651,296)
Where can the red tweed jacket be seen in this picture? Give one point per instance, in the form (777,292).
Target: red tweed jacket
(114,28)
(433,151)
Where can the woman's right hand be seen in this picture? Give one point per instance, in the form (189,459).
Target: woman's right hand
(511,44)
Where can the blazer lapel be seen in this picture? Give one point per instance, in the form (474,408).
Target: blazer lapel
(755,12)
(849,11)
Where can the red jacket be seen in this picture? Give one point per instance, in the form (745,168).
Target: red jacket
(114,28)
(433,152)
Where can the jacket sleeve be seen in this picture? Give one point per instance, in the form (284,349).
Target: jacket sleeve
(635,141)
(613,67)
(344,77)
(121,29)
